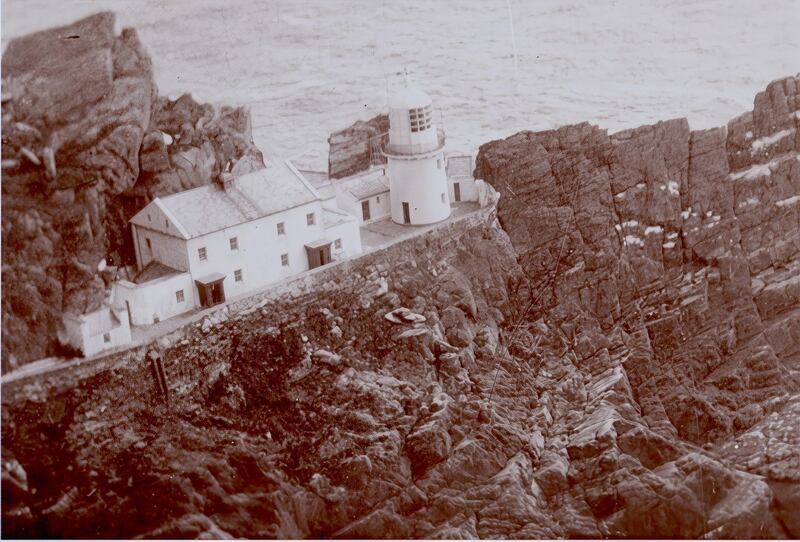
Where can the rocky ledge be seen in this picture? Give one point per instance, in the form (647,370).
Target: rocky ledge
(87,141)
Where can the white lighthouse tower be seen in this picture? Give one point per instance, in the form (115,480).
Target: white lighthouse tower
(415,155)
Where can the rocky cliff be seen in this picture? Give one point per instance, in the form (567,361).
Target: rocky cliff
(357,147)
(616,356)
(87,142)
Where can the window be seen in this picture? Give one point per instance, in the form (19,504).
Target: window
(148,218)
(365,210)
(106,337)
(149,245)
(310,219)
(338,243)
(234,243)
(281,229)
(378,199)
(285,260)
(420,118)
(202,254)
(179,296)
(442,197)
(237,275)
(439,163)
(166,223)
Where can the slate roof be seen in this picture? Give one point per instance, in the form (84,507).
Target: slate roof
(102,321)
(208,208)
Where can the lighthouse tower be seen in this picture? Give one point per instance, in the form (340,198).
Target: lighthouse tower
(415,156)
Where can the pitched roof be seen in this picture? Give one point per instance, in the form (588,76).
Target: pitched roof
(369,187)
(459,166)
(208,208)
(102,321)
(153,271)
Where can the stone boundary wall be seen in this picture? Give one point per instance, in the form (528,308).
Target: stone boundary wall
(362,275)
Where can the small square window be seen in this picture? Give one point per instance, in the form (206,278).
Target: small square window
(234,243)
(310,219)
(237,275)
(281,229)
(106,337)
(285,260)
(179,296)
(202,254)
(338,243)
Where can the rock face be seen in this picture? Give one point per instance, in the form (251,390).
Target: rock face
(357,147)
(83,149)
(608,363)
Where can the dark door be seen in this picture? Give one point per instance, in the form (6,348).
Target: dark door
(365,210)
(128,307)
(217,292)
(457,191)
(406,213)
(202,292)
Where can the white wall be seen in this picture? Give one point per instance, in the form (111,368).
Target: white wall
(420,183)
(467,186)
(120,336)
(169,250)
(260,249)
(77,334)
(156,298)
(350,234)
(380,206)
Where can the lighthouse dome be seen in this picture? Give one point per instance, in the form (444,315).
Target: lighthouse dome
(409,97)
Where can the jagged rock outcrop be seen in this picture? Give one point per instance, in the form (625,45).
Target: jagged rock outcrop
(357,147)
(84,146)
(668,258)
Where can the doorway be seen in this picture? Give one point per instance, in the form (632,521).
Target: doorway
(211,292)
(406,213)
(457,191)
(365,210)
(319,253)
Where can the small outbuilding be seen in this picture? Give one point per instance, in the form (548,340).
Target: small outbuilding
(96,331)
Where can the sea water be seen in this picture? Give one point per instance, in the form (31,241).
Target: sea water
(307,68)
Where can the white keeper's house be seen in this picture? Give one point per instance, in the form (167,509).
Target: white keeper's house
(200,247)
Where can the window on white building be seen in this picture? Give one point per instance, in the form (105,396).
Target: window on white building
(378,199)
(179,296)
(310,219)
(420,118)
(166,223)
(439,163)
(281,229)
(338,243)
(234,243)
(106,337)
(442,197)
(237,275)
(202,254)
(149,245)
(285,260)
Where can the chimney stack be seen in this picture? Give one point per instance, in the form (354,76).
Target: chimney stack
(225,180)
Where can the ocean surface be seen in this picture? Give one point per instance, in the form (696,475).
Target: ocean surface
(307,68)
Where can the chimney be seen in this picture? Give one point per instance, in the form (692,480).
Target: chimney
(225,180)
